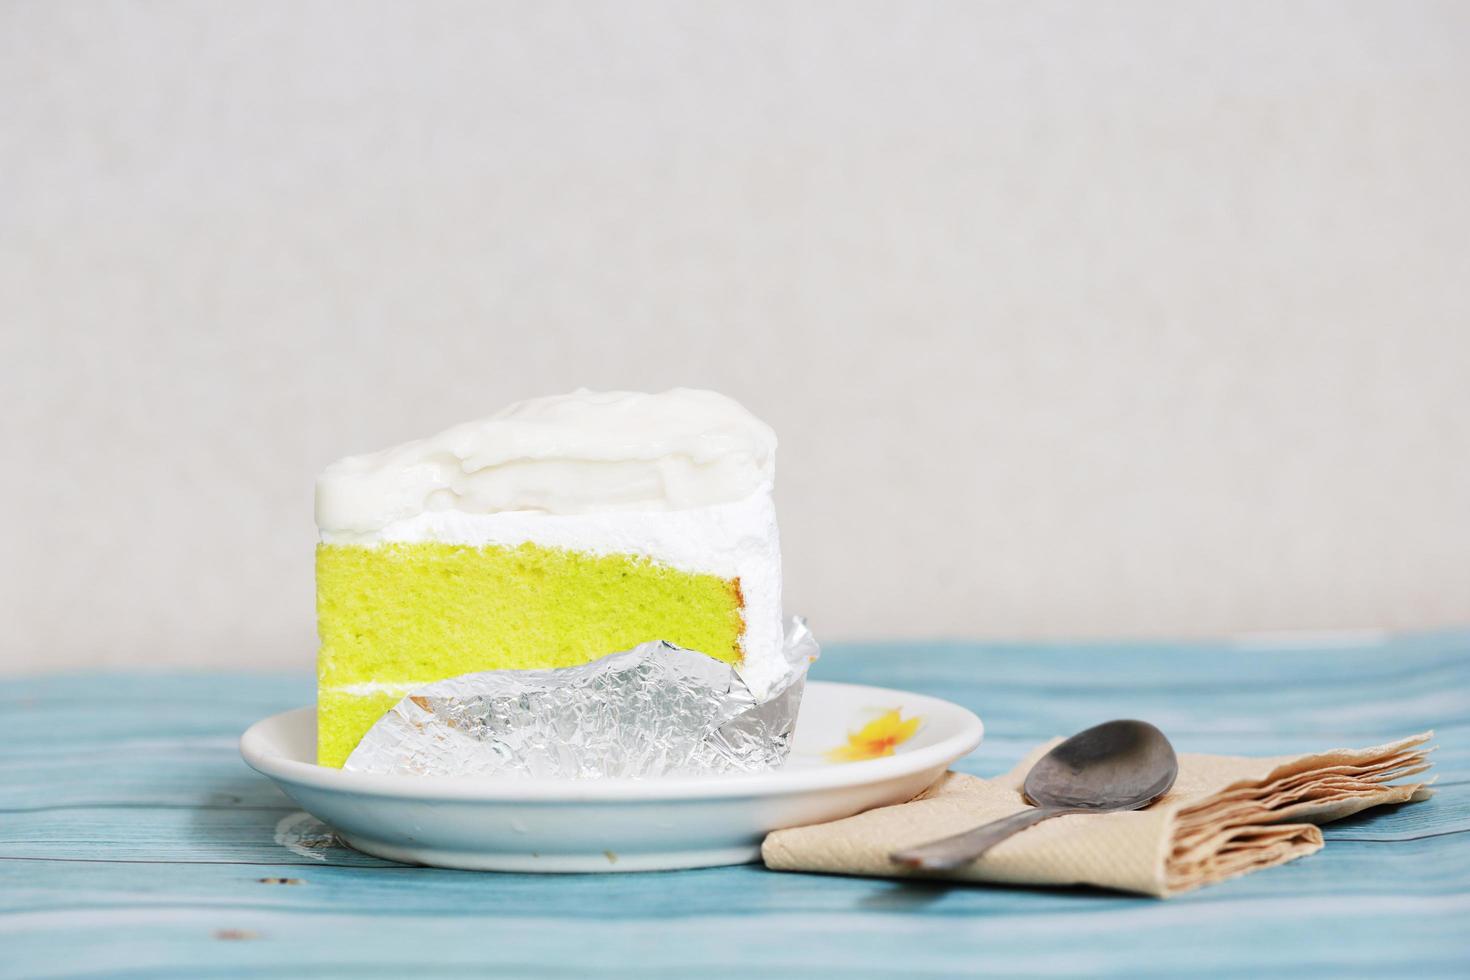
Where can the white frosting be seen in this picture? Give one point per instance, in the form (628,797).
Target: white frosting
(683,478)
(587,452)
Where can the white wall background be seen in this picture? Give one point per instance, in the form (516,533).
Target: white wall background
(1074,319)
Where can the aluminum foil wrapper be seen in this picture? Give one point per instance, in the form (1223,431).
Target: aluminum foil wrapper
(654,710)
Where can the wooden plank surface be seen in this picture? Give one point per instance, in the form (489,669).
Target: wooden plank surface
(133,840)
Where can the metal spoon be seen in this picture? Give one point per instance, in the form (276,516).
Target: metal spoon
(1118,765)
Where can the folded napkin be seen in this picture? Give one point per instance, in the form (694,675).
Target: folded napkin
(1226,816)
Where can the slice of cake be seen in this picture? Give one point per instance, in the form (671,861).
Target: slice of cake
(558,531)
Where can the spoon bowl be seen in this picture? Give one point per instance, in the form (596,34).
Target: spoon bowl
(1118,765)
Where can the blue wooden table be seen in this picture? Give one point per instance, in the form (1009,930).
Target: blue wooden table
(133,841)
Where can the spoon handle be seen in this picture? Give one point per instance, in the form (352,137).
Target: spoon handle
(951,852)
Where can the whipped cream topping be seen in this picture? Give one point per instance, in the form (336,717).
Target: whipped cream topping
(582,453)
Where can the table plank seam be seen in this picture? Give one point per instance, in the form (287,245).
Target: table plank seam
(242,864)
(135,805)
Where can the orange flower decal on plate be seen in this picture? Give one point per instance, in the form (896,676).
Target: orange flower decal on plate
(876,739)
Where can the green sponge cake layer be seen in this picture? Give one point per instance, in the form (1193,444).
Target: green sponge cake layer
(552,533)
(398,615)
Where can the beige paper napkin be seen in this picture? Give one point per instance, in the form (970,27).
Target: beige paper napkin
(1226,816)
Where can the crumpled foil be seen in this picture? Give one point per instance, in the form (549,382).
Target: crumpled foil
(654,710)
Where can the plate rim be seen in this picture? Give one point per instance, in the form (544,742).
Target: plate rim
(969,733)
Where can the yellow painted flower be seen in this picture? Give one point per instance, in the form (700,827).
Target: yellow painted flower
(875,739)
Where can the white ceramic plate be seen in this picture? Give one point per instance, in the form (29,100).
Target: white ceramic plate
(622,824)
